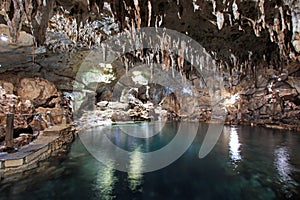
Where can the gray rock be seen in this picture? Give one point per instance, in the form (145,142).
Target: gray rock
(102,104)
(118,105)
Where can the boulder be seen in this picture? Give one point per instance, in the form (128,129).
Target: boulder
(36,89)
(287,93)
(261,81)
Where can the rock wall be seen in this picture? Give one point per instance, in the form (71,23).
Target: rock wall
(274,102)
(256,45)
(36,104)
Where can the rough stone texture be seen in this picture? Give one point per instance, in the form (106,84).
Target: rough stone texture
(7,86)
(255,44)
(13,103)
(276,106)
(37,104)
(36,89)
(151,92)
(170,102)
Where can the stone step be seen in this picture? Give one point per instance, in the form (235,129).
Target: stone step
(24,155)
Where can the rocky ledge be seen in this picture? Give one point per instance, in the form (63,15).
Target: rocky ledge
(41,126)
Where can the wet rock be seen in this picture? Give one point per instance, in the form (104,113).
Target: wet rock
(261,81)
(259,93)
(188,105)
(256,103)
(36,95)
(287,93)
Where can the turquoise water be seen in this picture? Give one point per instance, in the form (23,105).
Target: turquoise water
(246,163)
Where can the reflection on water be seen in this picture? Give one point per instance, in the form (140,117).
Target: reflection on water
(282,163)
(142,129)
(246,163)
(105,181)
(285,170)
(135,176)
(234,146)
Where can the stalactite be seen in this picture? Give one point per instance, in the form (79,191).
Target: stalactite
(180,59)
(262,12)
(137,14)
(126,62)
(157,56)
(173,64)
(166,63)
(220,19)
(15,23)
(149,12)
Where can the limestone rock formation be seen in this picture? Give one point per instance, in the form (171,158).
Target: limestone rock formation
(171,103)
(36,89)
(255,45)
(36,105)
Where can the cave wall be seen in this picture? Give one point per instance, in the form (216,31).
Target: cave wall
(256,44)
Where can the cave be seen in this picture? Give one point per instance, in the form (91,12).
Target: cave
(112,99)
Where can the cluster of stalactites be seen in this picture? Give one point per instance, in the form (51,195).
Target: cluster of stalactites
(284,21)
(33,14)
(167,51)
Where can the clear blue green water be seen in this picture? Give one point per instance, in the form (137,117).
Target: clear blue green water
(246,163)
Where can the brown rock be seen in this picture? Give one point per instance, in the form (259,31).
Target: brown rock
(170,103)
(11,103)
(36,89)
(294,82)
(7,86)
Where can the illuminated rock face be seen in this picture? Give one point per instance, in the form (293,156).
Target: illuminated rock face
(256,45)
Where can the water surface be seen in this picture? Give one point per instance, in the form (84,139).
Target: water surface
(246,163)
